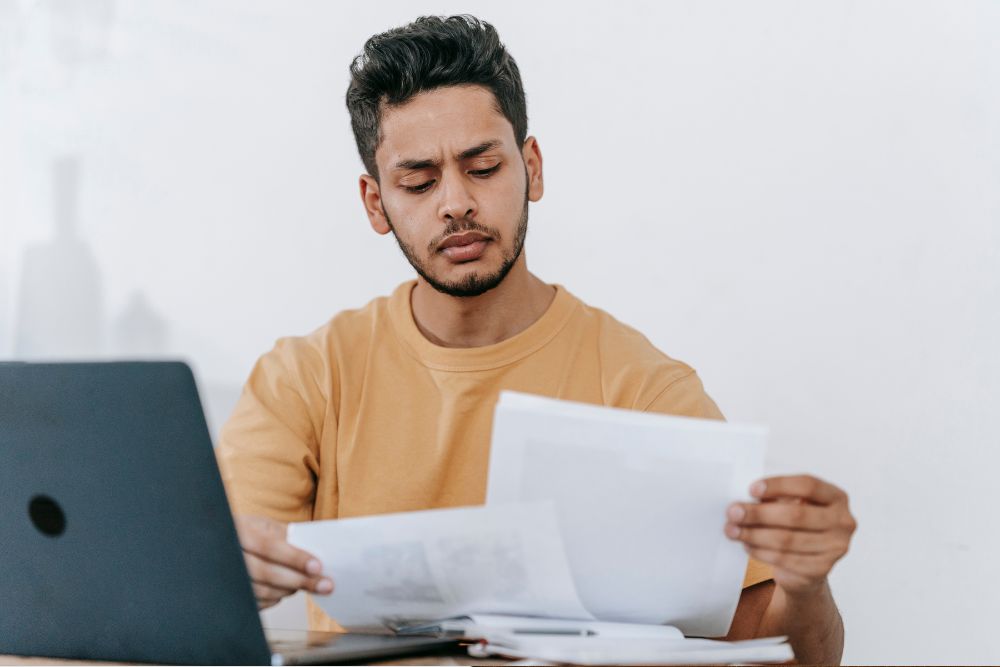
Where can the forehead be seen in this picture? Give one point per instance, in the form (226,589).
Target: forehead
(441,122)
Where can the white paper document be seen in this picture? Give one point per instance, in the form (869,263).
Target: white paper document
(644,651)
(400,568)
(640,501)
(593,514)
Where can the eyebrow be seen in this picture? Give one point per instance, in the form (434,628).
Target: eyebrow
(464,155)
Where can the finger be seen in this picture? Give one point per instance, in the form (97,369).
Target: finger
(808,487)
(780,515)
(272,594)
(277,550)
(780,539)
(278,576)
(804,565)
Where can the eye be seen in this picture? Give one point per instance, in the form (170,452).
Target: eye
(417,189)
(483,173)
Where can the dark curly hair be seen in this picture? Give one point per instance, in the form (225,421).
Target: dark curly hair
(431,52)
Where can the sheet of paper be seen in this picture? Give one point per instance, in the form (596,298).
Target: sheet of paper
(396,568)
(636,651)
(640,500)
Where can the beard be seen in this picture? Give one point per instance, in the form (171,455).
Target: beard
(475,283)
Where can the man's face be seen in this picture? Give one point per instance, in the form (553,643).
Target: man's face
(453,188)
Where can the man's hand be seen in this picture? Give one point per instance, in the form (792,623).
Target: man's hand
(276,568)
(800,527)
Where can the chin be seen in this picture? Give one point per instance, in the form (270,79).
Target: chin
(469,284)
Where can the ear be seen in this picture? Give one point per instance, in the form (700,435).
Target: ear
(532,156)
(371,197)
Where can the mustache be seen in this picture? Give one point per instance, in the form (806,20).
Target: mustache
(459,226)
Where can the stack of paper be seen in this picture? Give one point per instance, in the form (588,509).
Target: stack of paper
(593,515)
(617,651)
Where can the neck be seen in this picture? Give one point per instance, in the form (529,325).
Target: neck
(504,311)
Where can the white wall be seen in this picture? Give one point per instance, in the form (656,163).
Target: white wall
(799,199)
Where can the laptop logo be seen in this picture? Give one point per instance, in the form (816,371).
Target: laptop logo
(47,516)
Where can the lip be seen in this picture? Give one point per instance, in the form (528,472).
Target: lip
(459,254)
(466,238)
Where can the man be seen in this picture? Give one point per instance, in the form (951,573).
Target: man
(388,408)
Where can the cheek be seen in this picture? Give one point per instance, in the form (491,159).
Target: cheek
(506,201)
(406,214)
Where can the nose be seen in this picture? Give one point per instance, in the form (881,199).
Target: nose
(457,201)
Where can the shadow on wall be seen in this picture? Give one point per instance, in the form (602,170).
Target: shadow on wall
(56,304)
(61,309)
(34,37)
(139,331)
(60,305)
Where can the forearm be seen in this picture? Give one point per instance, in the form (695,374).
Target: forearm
(813,625)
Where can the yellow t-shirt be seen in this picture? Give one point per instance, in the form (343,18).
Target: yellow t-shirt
(366,416)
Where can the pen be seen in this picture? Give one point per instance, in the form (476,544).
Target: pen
(583,632)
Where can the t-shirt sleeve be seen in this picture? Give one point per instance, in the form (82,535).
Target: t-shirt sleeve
(268,450)
(686,396)
(756,573)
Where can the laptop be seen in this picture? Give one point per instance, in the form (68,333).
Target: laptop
(116,538)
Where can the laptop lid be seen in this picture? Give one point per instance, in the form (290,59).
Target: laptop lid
(116,541)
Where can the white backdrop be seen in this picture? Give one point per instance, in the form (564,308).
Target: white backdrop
(799,199)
